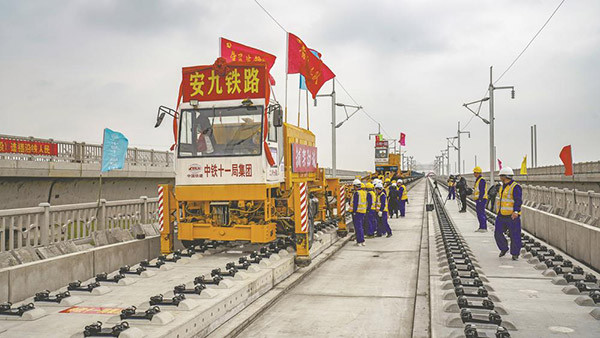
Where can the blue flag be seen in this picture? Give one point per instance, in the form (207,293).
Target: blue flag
(114,150)
(302,79)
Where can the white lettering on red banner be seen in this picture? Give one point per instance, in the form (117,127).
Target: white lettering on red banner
(304,158)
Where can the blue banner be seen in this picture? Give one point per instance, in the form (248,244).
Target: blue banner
(114,150)
(302,79)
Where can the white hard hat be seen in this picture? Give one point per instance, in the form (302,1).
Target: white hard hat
(379,186)
(506,171)
(400,181)
(356,182)
(393,184)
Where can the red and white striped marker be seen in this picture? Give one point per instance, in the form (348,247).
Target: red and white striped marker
(342,200)
(160,208)
(303,208)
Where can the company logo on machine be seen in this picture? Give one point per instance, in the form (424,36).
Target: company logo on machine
(195,170)
(304,158)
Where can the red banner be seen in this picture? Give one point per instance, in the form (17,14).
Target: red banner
(567,160)
(236,52)
(381,144)
(28,147)
(304,158)
(301,60)
(225,81)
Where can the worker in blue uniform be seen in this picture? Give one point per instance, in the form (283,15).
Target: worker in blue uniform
(508,204)
(393,200)
(359,209)
(451,188)
(382,211)
(371,215)
(402,193)
(480,197)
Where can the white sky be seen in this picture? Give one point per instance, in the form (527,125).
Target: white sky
(70,68)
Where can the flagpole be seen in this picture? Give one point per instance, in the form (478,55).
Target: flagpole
(299,93)
(307,117)
(287,62)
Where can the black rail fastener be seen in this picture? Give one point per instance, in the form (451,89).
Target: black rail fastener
(264,253)
(486,303)
(131,313)
(471,331)
(189,252)
(481,292)
(146,264)
(126,270)
(227,273)
(474,284)
(467,267)
(502,332)
(103,277)
(241,266)
(173,259)
(583,287)
(254,258)
(76,286)
(590,278)
(575,270)
(96,330)
(215,280)
(44,296)
(595,296)
(492,318)
(456,274)
(181,289)
(6,309)
(160,300)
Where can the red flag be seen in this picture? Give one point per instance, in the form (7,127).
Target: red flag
(233,51)
(402,139)
(499,164)
(301,60)
(567,159)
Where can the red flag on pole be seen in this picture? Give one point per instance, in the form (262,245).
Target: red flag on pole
(301,60)
(567,159)
(499,164)
(402,139)
(233,51)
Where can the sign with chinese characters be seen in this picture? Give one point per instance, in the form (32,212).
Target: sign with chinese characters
(218,170)
(381,144)
(225,81)
(28,147)
(89,310)
(304,158)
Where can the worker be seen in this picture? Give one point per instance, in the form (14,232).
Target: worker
(382,212)
(371,215)
(359,209)
(403,198)
(393,200)
(508,204)
(461,186)
(451,188)
(480,196)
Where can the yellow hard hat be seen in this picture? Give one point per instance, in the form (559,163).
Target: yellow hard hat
(477,170)
(370,185)
(394,181)
(387,180)
(362,185)
(380,177)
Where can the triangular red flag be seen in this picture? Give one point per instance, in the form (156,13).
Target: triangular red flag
(301,60)
(567,159)
(233,51)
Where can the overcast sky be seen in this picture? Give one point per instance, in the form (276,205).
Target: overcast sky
(70,68)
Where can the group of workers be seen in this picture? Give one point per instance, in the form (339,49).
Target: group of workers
(372,202)
(508,198)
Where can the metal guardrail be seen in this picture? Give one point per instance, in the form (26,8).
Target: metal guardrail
(81,152)
(46,224)
(581,206)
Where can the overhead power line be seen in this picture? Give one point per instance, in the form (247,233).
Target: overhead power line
(335,79)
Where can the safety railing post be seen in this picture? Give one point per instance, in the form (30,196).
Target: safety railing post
(590,203)
(102,215)
(45,224)
(145,210)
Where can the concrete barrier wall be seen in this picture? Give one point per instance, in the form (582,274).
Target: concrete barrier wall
(577,239)
(20,282)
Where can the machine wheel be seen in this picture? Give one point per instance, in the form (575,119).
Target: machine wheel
(190,244)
